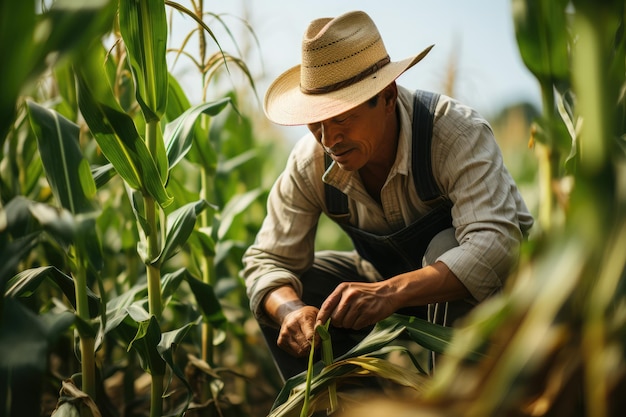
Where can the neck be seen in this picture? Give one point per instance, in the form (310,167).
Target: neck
(374,173)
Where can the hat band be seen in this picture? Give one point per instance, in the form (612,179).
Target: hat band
(344,83)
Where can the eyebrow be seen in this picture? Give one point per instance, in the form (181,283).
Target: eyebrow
(343,116)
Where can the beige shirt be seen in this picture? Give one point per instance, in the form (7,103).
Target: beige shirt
(488,212)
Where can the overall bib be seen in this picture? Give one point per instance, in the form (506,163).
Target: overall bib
(403,250)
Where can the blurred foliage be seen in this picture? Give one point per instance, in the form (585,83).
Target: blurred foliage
(556,335)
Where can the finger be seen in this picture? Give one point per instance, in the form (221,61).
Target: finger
(297,332)
(328,307)
(296,345)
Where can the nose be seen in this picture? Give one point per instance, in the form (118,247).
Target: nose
(329,137)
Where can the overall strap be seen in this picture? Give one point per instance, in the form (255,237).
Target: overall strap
(427,189)
(336,201)
(424,105)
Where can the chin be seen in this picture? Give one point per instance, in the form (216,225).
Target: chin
(348,167)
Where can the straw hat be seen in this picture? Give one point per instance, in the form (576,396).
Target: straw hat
(344,64)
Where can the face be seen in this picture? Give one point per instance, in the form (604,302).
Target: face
(356,137)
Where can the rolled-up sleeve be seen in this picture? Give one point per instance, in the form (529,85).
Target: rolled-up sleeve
(469,166)
(284,246)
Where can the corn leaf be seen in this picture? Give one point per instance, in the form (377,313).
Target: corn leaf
(116,133)
(145,343)
(429,335)
(383,334)
(117,307)
(25,340)
(143,25)
(207,301)
(179,133)
(180,225)
(540,29)
(67,171)
(291,398)
(177,101)
(67,230)
(235,206)
(201,242)
(167,347)
(26,282)
(31,42)
(12,254)
(204,294)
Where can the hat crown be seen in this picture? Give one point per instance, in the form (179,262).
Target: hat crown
(335,51)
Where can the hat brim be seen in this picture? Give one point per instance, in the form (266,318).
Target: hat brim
(285,104)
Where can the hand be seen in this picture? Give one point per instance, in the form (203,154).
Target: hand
(297,330)
(355,305)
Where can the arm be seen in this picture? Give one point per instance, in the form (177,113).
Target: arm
(469,166)
(284,246)
(284,249)
(357,305)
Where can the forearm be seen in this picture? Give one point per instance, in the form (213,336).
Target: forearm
(431,284)
(280,302)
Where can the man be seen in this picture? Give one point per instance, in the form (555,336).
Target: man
(433,213)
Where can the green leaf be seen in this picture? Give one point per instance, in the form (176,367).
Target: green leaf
(32,42)
(384,333)
(235,206)
(25,342)
(68,230)
(145,343)
(171,281)
(58,222)
(102,174)
(179,133)
(428,335)
(18,220)
(117,307)
(229,166)
(167,347)
(26,282)
(180,224)
(116,133)
(67,171)
(201,240)
(123,305)
(25,336)
(541,32)
(143,25)
(207,301)
(13,253)
(294,393)
(177,101)
(17,24)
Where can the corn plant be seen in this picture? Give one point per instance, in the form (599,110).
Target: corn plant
(32,39)
(107,194)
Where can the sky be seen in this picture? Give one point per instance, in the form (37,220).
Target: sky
(475,36)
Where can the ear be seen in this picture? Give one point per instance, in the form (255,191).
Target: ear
(390,95)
